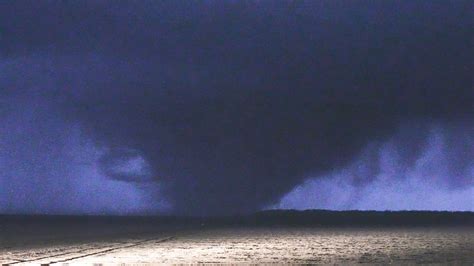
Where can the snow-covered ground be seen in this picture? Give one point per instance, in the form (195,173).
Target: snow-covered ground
(250,245)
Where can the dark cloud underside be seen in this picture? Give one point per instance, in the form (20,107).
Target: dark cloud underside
(234,103)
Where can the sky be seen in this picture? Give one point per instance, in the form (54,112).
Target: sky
(230,107)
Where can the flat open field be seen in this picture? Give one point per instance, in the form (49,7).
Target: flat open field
(145,244)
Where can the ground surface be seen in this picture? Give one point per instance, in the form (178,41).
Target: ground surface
(239,245)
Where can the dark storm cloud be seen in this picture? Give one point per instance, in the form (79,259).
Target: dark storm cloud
(126,165)
(233,103)
(390,175)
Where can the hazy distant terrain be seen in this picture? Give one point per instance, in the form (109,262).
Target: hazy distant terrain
(267,237)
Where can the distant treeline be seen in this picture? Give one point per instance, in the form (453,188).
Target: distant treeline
(362,218)
(267,218)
